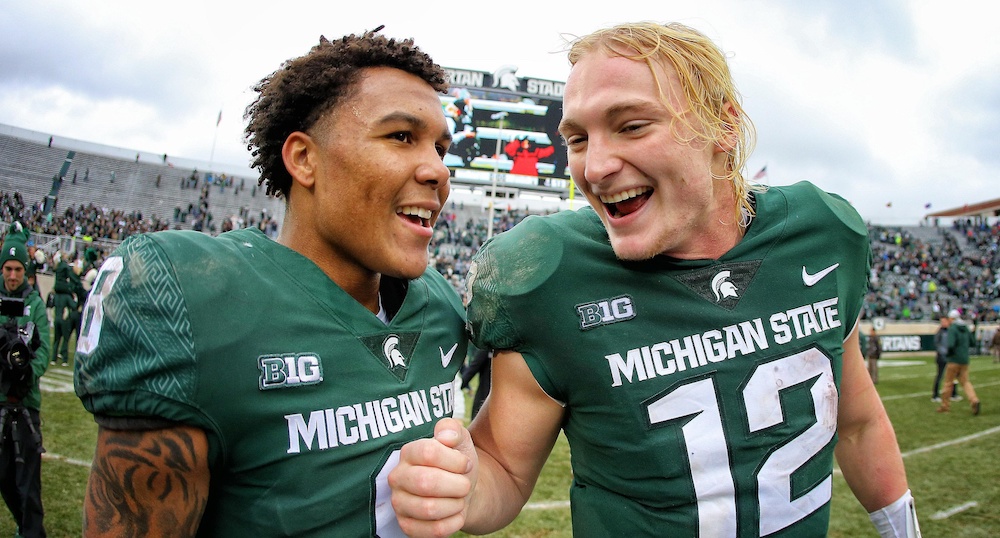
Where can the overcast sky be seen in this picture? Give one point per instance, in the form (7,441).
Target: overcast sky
(883,101)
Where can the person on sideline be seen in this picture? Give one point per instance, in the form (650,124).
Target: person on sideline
(250,387)
(21,428)
(64,307)
(995,345)
(695,338)
(873,353)
(957,368)
(478,366)
(940,353)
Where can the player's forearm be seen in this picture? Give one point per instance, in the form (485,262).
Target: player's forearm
(497,498)
(872,465)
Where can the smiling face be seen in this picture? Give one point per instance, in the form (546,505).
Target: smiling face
(639,164)
(369,180)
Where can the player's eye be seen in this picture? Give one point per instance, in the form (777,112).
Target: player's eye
(573,141)
(632,127)
(442,150)
(402,136)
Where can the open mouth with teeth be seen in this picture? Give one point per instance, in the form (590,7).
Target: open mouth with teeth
(416,215)
(626,202)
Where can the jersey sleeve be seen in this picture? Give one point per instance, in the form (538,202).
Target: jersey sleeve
(136,354)
(511,288)
(489,322)
(506,272)
(831,227)
(853,237)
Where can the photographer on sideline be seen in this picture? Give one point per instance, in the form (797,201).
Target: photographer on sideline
(21,445)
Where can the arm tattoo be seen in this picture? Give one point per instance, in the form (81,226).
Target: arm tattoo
(147,483)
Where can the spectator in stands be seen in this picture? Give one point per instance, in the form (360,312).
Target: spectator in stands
(20,439)
(873,352)
(245,343)
(959,341)
(594,313)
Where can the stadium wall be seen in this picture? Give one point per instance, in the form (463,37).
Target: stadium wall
(918,337)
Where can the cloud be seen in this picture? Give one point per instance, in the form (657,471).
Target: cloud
(872,100)
(885,26)
(970,116)
(44,48)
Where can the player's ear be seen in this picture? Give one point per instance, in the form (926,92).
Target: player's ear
(730,135)
(299,153)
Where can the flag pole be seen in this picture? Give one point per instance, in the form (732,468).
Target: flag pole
(215,137)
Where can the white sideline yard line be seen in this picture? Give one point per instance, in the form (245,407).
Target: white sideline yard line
(967,438)
(924,394)
(56,379)
(945,514)
(71,461)
(979,368)
(892,363)
(548,505)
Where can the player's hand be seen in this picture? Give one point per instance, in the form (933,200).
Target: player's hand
(432,483)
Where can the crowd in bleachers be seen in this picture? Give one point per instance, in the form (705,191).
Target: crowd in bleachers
(459,234)
(912,278)
(82,221)
(88,223)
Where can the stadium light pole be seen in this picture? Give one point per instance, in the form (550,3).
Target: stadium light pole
(496,172)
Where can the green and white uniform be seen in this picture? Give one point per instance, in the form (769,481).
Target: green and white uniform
(701,395)
(305,395)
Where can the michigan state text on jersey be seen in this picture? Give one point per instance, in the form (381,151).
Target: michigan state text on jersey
(701,395)
(189,342)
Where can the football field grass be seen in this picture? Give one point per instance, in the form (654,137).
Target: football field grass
(951,460)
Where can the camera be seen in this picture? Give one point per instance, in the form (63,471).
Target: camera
(17,349)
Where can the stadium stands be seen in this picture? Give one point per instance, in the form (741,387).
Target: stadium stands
(918,272)
(150,187)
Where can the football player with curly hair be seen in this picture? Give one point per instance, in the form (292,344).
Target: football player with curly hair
(250,387)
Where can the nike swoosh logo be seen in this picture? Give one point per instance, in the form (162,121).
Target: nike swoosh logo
(811,280)
(446,357)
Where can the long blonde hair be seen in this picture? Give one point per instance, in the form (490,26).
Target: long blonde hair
(706,81)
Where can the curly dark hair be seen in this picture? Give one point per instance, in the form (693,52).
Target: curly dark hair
(296,96)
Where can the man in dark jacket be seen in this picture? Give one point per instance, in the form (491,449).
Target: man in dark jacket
(940,352)
(20,398)
(64,307)
(959,339)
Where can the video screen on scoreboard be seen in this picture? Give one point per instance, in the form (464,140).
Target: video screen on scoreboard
(505,131)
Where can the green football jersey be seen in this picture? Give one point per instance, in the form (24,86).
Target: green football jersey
(701,395)
(305,395)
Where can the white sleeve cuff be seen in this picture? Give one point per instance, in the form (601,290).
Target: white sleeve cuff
(898,520)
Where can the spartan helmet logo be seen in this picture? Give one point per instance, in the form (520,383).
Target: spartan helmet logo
(722,287)
(505,78)
(390,348)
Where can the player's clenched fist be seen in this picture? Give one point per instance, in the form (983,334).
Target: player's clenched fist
(433,480)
